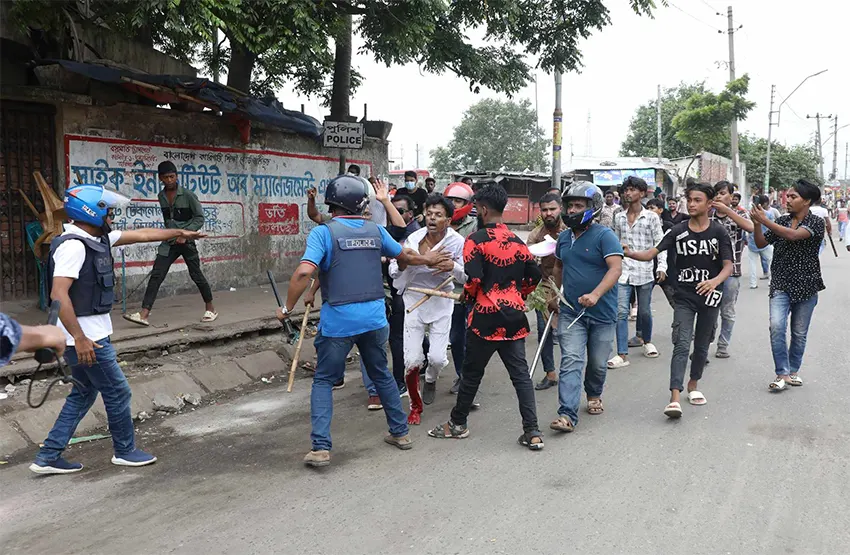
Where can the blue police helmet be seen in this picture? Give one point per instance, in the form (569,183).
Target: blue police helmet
(589,192)
(91,203)
(349,192)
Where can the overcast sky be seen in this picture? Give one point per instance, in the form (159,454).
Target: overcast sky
(781,42)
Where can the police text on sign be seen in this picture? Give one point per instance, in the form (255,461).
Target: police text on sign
(340,134)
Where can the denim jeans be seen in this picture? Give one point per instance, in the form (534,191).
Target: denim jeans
(644,317)
(585,346)
(104,377)
(512,353)
(367,383)
(457,335)
(764,256)
(731,287)
(330,368)
(841,227)
(547,354)
(683,333)
(788,360)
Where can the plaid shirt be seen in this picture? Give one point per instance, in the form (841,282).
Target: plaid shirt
(643,235)
(737,236)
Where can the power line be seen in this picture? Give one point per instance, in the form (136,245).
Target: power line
(712,8)
(789,106)
(695,18)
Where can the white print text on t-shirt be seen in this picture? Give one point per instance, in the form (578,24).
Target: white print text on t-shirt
(693,275)
(700,247)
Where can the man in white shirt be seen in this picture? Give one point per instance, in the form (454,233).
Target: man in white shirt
(80,270)
(819,210)
(436,312)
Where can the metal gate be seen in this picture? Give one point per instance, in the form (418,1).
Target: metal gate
(28,144)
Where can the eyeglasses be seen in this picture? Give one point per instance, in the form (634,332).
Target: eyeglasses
(402,210)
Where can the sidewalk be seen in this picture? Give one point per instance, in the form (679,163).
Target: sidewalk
(176,321)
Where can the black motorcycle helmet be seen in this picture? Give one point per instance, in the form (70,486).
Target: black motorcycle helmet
(348,192)
(590,193)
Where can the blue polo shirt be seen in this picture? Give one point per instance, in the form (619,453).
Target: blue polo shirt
(350,319)
(584,265)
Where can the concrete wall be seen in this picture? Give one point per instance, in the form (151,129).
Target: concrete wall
(254,195)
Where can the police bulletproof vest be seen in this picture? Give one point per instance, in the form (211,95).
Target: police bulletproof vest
(92,292)
(354,275)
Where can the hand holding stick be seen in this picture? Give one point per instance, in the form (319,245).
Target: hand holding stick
(421,301)
(435,293)
(300,342)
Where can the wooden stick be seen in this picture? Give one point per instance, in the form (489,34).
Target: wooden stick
(422,301)
(435,293)
(298,347)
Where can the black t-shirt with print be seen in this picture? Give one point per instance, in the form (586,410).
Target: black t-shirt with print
(796,264)
(699,256)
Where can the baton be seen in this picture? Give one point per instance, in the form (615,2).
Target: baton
(835,252)
(287,325)
(545,334)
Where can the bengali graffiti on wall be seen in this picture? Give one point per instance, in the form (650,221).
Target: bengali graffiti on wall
(243,192)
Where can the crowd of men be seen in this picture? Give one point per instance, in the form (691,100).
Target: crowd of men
(428,273)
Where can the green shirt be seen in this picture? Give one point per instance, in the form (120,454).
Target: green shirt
(185,212)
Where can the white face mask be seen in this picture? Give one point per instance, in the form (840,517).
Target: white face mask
(410,185)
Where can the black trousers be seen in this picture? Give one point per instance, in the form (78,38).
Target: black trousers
(478,354)
(162,264)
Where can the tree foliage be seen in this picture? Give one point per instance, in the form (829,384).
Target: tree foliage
(642,137)
(787,164)
(492,135)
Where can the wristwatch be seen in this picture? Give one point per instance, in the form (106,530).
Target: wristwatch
(284,310)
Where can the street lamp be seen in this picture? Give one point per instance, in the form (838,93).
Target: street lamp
(770,126)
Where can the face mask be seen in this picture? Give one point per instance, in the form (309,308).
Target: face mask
(410,185)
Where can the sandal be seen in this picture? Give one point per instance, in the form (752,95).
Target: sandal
(778,384)
(673,410)
(594,406)
(449,430)
(526,440)
(617,362)
(209,316)
(136,318)
(696,398)
(649,350)
(795,380)
(562,424)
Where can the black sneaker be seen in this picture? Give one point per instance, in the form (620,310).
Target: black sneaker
(546,383)
(340,384)
(429,392)
(402,391)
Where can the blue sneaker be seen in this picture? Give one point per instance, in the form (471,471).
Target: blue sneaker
(134,458)
(59,466)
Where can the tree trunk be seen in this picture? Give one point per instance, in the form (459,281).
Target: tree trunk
(341,93)
(241,67)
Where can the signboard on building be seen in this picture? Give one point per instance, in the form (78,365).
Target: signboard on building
(341,134)
(616,177)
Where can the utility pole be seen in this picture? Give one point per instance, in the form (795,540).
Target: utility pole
(818,149)
(417,156)
(736,171)
(846,157)
(557,119)
(834,174)
(588,139)
(658,114)
(769,134)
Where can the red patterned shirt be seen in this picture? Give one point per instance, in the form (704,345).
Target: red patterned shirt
(501,273)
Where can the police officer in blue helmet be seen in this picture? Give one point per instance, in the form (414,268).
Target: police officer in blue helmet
(80,277)
(347,251)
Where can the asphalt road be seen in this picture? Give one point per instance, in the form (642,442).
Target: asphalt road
(750,472)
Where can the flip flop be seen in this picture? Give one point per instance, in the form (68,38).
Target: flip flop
(795,381)
(696,398)
(136,318)
(778,384)
(209,316)
(673,410)
(649,350)
(618,362)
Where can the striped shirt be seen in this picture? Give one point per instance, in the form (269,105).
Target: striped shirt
(642,235)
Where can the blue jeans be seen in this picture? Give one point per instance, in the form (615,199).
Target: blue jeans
(104,377)
(585,346)
(644,317)
(788,360)
(330,368)
(731,287)
(367,383)
(547,355)
(457,335)
(841,227)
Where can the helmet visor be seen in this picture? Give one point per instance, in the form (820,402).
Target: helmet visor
(114,199)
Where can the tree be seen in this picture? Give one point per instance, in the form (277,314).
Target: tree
(494,134)
(642,137)
(787,164)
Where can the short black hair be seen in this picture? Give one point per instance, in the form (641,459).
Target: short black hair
(636,182)
(354,168)
(720,185)
(166,167)
(427,179)
(704,188)
(737,195)
(609,192)
(549,197)
(408,200)
(657,203)
(410,173)
(467,180)
(764,200)
(808,190)
(436,199)
(493,196)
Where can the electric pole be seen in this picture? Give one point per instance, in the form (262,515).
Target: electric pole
(736,172)
(818,150)
(557,118)
(588,139)
(417,156)
(834,174)
(846,158)
(658,114)
(769,134)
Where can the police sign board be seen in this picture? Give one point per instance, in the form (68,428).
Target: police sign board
(340,134)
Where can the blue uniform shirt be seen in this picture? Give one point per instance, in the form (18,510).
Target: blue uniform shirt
(355,318)
(584,262)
